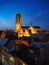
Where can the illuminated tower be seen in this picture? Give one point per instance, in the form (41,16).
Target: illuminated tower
(18,22)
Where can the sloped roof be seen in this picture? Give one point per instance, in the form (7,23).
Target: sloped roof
(32,26)
(3,41)
(25,26)
(36,27)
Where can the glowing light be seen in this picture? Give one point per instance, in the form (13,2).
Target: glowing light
(33,31)
(20,33)
(11,59)
(24,64)
(18,26)
(26,33)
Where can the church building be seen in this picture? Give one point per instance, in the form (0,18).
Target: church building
(24,30)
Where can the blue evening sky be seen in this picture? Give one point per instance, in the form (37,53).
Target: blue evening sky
(35,11)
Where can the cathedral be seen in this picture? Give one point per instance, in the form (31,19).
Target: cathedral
(24,30)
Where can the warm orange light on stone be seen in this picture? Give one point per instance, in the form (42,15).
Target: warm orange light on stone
(33,31)
(25,42)
(20,33)
(26,33)
(18,26)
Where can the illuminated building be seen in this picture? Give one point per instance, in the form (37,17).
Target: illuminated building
(18,22)
(24,30)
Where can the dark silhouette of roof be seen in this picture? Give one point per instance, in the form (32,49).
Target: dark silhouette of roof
(32,26)
(3,41)
(36,27)
(25,26)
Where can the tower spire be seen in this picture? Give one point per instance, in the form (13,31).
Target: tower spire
(31,23)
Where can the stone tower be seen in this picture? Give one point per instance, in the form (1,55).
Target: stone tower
(18,22)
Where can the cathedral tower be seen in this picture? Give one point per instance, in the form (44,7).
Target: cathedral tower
(18,22)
